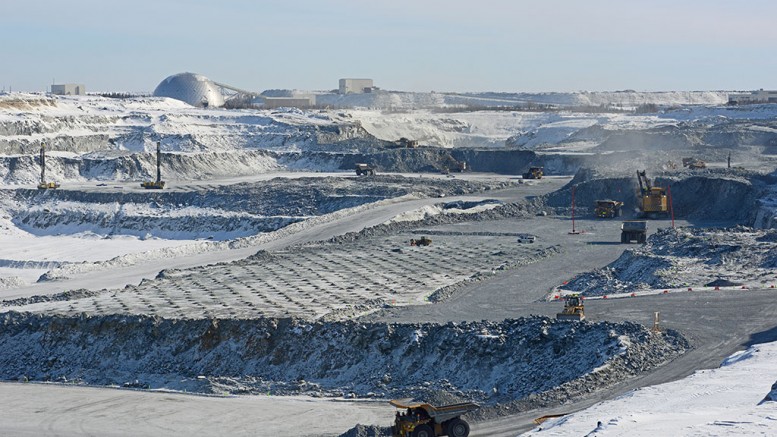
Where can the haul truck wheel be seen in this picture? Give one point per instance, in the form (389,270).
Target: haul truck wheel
(423,431)
(458,428)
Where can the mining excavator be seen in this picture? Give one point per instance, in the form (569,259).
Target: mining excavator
(158,184)
(416,419)
(608,208)
(43,185)
(573,308)
(652,200)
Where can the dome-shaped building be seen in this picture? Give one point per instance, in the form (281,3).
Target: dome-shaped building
(194,89)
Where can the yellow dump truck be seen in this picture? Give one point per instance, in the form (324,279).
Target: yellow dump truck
(534,173)
(634,230)
(418,419)
(608,208)
(364,169)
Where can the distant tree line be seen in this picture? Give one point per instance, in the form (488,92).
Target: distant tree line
(120,95)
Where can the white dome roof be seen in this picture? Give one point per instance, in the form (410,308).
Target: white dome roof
(194,89)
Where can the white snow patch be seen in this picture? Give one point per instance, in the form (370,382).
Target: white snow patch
(725,401)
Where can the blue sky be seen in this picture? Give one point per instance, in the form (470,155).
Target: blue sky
(421,45)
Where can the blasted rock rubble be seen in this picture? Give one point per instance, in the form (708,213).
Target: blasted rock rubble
(496,363)
(683,257)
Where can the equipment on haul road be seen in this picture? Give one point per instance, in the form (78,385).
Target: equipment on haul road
(425,420)
(534,173)
(43,185)
(634,230)
(694,163)
(365,169)
(652,200)
(158,184)
(573,308)
(608,208)
(423,241)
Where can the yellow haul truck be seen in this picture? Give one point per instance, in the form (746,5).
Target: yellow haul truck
(534,173)
(608,208)
(415,419)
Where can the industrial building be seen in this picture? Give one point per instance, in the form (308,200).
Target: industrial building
(68,89)
(194,89)
(753,97)
(355,86)
(287,102)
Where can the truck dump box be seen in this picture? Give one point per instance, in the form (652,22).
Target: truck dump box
(425,420)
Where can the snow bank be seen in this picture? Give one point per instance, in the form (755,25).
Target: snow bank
(687,257)
(722,402)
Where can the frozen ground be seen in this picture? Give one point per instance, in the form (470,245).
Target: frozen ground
(308,282)
(687,259)
(738,398)
(115,229)
(49,410)
(168,285)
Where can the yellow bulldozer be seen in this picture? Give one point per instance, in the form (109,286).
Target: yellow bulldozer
(423,241)
(652,200)
(418,419)
(694,163)
(573,308)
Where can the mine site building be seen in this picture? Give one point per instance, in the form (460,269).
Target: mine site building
(355,86)
(753,97)
(287,102)
(68,89)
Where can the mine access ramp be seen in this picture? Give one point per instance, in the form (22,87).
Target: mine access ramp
(425,420)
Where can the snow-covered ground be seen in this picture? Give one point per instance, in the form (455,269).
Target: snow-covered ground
(81,124)
(94,139)
(686,260)
(739,398)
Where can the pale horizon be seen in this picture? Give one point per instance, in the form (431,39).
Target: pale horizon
(444,46)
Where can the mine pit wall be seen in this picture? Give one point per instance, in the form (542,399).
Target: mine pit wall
(487,361)
(500,161)
(237,212)
(198,166)
(137,167)
(65,143)
(695,198)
